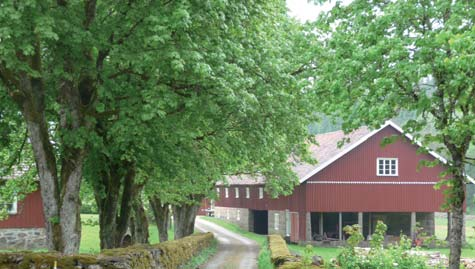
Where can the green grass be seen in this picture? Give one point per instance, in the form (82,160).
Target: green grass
(203,257)
(90,241)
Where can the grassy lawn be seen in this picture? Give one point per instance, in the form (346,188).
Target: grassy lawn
(90,242)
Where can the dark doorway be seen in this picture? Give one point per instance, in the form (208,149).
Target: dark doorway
(260,221)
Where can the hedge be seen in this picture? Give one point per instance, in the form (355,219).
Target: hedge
(165,255)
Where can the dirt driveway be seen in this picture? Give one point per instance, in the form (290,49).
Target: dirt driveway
(234,250)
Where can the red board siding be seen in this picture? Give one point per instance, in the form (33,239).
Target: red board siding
(360,165)
(30,213)
(373,198)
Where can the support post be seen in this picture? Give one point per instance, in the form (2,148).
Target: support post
(287,222)
(320,224)
(370,222)
(340,223)
(413,224)
(360,221)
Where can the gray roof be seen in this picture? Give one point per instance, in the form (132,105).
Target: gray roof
(323,152)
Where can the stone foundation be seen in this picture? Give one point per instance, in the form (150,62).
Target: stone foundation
(426,220)
(281,225)
(238,216)
(30,238)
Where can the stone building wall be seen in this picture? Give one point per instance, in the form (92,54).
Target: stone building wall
(31,238)
(427,221)
(238,216)
(271,224)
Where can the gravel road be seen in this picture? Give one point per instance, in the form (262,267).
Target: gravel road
(234,250)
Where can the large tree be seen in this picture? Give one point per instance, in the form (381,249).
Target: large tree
(380,57)
(117,83)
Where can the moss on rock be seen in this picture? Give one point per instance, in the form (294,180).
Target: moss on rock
(170,254)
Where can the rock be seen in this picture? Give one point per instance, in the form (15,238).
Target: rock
(317,260)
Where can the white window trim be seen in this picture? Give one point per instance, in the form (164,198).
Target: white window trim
(276,221)
(226,192)
(236,190)
(385,175)
(217,191)
(261,193)
(248,193)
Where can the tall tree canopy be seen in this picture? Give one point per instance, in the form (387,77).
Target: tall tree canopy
(177,91)
(380,57)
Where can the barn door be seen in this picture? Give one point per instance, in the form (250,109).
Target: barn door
(294,227)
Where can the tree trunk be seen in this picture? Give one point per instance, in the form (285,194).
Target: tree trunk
(107,204)
(70,206)
(184,217)
(449,225)
(115,195)
(46,165)
(139,225)
(456,203)
(161,212)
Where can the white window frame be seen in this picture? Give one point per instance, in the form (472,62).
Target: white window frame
(248,193)
(261,193)
(238,215)
(276,221)
(14,208)
(384,167)
(236,192)
(227,213)
(226,192)
(217,191)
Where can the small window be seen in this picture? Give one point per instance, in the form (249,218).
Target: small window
(238,215)
(387,167)
(227,213)
(237,192)
(248,193)
(12,208)
(217,192)
(261,193)
(226,192)
(276,221)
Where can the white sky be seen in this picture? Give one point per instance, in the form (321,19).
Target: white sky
(305,11)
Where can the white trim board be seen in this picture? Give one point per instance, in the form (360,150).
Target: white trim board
(366,137)
(375,182)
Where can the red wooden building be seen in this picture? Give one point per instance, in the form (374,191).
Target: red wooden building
(25,225)
(358,183)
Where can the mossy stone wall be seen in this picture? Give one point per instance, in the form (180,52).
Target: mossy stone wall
(168,255)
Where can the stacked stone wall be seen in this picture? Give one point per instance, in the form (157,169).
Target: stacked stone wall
(33,238)
(271,224)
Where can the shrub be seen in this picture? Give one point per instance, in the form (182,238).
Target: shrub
(396,256)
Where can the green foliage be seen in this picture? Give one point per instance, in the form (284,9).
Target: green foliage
(396,256)
(379,58)
(307,257)
(204,256)
(264,258)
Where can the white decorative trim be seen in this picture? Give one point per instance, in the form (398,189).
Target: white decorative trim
(366,137)
(375,182)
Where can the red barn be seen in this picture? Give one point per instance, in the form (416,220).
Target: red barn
(358,183)
(25,226)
